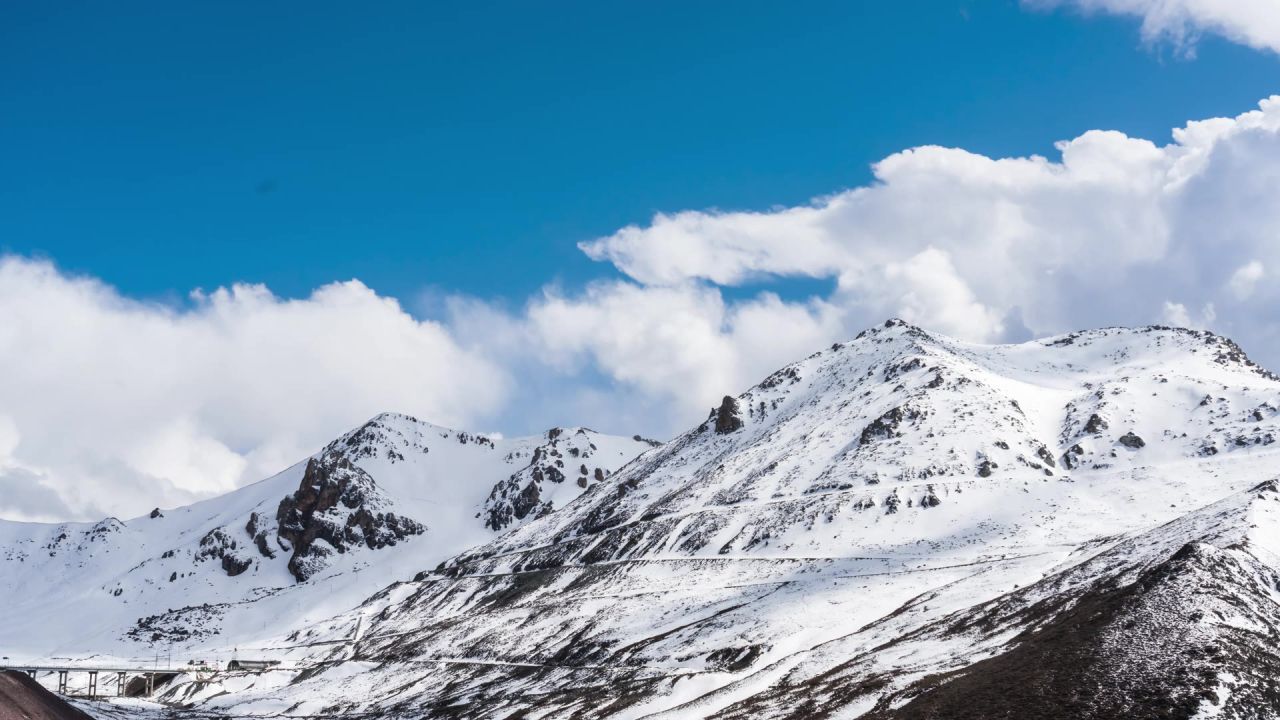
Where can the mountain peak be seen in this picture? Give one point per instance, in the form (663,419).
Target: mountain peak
(899,421)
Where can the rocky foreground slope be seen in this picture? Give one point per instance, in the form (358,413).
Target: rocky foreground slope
(902,526)
(372,507)
(22,698)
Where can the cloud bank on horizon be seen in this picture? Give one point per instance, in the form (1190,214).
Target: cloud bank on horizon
(111,405)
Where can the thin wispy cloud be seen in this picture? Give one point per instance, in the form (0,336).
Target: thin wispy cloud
(1255,23)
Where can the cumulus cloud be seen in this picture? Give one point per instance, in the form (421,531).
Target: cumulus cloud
(950,238)
(1117,230)
(1250,22)
(112,406)
(683,345)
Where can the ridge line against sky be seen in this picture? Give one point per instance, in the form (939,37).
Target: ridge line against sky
(113,404)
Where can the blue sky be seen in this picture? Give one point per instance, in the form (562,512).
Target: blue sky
(231,231)
(468,147)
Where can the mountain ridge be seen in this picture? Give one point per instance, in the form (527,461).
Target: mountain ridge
(868,532)
(902,477)
(199,573)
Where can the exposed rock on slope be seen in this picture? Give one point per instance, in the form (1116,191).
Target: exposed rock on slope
(727,418)
(558,470)
(337,506)
(216,544)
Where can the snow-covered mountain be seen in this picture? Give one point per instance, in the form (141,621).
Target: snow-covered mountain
(378,504)
(902,526)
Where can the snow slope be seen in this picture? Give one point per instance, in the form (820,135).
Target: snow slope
(381,503)
(851,535)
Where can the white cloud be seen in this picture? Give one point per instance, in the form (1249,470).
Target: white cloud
(1255,23)
(681,347)
(926,290)
(114,406)
(1115,231)
(1177,315)
(1244,280)
(957,241)
(1015,231)
(109,398)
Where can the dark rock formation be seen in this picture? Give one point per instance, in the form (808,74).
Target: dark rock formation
(191,622)
(1132,441)
(891,503)
(1071,458)
(894,370)
(259,535)
(735,659)
(217,544)
(336,507)
(522,494)
(885,426)
(1043,453)
(1095,424)
(727,418)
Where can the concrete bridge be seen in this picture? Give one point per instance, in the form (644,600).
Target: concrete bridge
(146,677)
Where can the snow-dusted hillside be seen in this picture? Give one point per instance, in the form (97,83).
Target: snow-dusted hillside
(901,526)
(381,503)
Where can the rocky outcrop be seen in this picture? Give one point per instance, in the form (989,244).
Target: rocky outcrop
(1071,458)
(526,494)
(1095,425)
(887,425)
(337,507)
(256,531)
(217,544)
(727,417)
(1132,441)
(184,624)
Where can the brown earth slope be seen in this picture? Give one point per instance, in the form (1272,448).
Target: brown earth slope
(22,698)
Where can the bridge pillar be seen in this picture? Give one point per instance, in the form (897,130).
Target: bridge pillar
(151,683)
(93,684)
(120,684)
(32,673)
(62,682)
